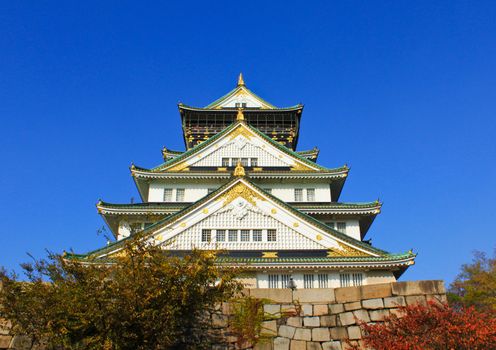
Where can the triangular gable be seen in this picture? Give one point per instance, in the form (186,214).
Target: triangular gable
(240,94)
(241,190)
(240,132)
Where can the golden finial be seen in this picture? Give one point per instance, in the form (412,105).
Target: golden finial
(241,82)
(240,115)
(239,171)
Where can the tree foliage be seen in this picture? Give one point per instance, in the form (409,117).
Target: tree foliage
(476,283)
(143,299)
(433,327)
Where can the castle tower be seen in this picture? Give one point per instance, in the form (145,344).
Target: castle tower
(241,187)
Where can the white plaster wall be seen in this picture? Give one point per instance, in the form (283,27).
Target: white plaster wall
(194,192)
(380,276)
(352,227)
(285,192)
(263,277)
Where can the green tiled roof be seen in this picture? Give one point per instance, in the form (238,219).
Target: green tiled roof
(173,217)
(303,260)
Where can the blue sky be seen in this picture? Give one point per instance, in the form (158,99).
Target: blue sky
(404,92)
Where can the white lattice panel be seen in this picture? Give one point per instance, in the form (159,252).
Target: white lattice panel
(240,148)
(287,238)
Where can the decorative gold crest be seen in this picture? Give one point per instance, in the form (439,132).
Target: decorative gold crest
(240,190)
(269,255)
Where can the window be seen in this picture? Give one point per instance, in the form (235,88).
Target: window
(268,190)
(310,194)
(225,162)
(341,227)
(271,236)
(180,195)
(168,195)
(245,235)
(234,161)
(221,235)
(244,161)
(257,235)
(206,235)
(298,194)
(308,281)
(233,235)
(253,161)
(344,279)
(273,281)
(285,280)
(357,279)
(323,279)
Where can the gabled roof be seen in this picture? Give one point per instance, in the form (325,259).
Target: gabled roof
(172,165)
(241,89)
(311,154)
(235,188)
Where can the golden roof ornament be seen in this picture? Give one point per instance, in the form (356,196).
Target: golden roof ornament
(240,115)
(241,82)
(239,170)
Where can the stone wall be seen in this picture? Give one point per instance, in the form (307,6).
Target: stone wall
(310,319)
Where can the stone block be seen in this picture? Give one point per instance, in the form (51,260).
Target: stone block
(294,321)
(227,308)
(303,334)
(5,341)
(437,299)
(328,321)
(347,318)
(286,331)
(5,326)
(339,333)
(378,315)
(318,295)
(21,342)
(272,309)
(336,308)
(373,304)
(361,315)
(313,321)
(397,312)
(281,343)
(332,345)
(276,295)
(314,346)
(298,345)
(219,321)
(394,301)
(261,346)
(288,309)
(321,334)
(352,306)
(347,294)
(418,288)
(415,299)
(269,328)
(307,310)
(372,291)
(320,309)
(354,332)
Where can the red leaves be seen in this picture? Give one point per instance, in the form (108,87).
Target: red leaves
(433,327)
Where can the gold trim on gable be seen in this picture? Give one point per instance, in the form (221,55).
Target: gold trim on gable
(301,167)
(240,190)
(269,255)
(240,130)
(345,250)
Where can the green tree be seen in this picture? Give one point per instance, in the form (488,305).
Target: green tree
(142,299)
(476,283)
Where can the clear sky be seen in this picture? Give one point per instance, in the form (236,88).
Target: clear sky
(404,92)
